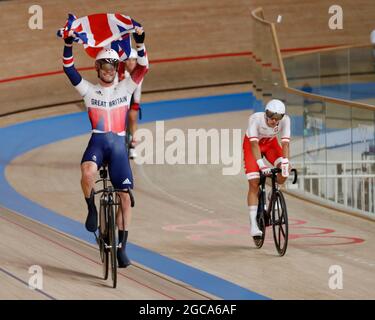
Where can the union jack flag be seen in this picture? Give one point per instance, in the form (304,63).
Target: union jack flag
(101,30)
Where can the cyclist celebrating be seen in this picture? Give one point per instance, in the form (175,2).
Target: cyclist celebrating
(261,140)
(107,105)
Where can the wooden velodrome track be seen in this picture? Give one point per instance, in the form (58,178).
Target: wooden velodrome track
(191,214)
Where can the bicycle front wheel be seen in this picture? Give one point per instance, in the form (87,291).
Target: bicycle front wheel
(280,223)
(103,238)
(112,243)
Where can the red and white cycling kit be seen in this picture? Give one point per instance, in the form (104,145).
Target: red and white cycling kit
(258,130)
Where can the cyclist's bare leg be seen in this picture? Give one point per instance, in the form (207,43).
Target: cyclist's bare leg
(252,195)
(252,201)
(124,213)
(88,172)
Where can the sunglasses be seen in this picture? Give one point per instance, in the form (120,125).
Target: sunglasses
(108,67)
(274,115)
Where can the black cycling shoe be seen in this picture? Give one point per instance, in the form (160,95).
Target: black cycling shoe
(92,219)
(92,216)
(122,258)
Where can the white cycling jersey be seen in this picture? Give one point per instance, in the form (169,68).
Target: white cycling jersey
(107,106)
(258,130)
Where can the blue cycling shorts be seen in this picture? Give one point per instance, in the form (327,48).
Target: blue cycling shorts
(110,148)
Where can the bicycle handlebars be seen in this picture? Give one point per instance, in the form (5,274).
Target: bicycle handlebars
(275,171)
(295,175)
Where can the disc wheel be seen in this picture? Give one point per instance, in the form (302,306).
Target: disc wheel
(280,223)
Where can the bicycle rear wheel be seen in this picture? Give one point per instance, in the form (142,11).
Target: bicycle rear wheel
(259,240)
(280,223)
(103,238)
(112,243)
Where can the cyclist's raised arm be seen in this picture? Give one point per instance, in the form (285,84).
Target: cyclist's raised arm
(68,65)
(140,70)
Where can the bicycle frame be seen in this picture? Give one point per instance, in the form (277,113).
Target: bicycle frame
(275,214)
(106,238)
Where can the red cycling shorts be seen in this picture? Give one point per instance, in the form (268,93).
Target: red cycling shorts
(269,148)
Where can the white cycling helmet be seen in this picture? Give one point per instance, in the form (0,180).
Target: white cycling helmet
(276,106)
(108,55)
(133,54)
(275,109)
